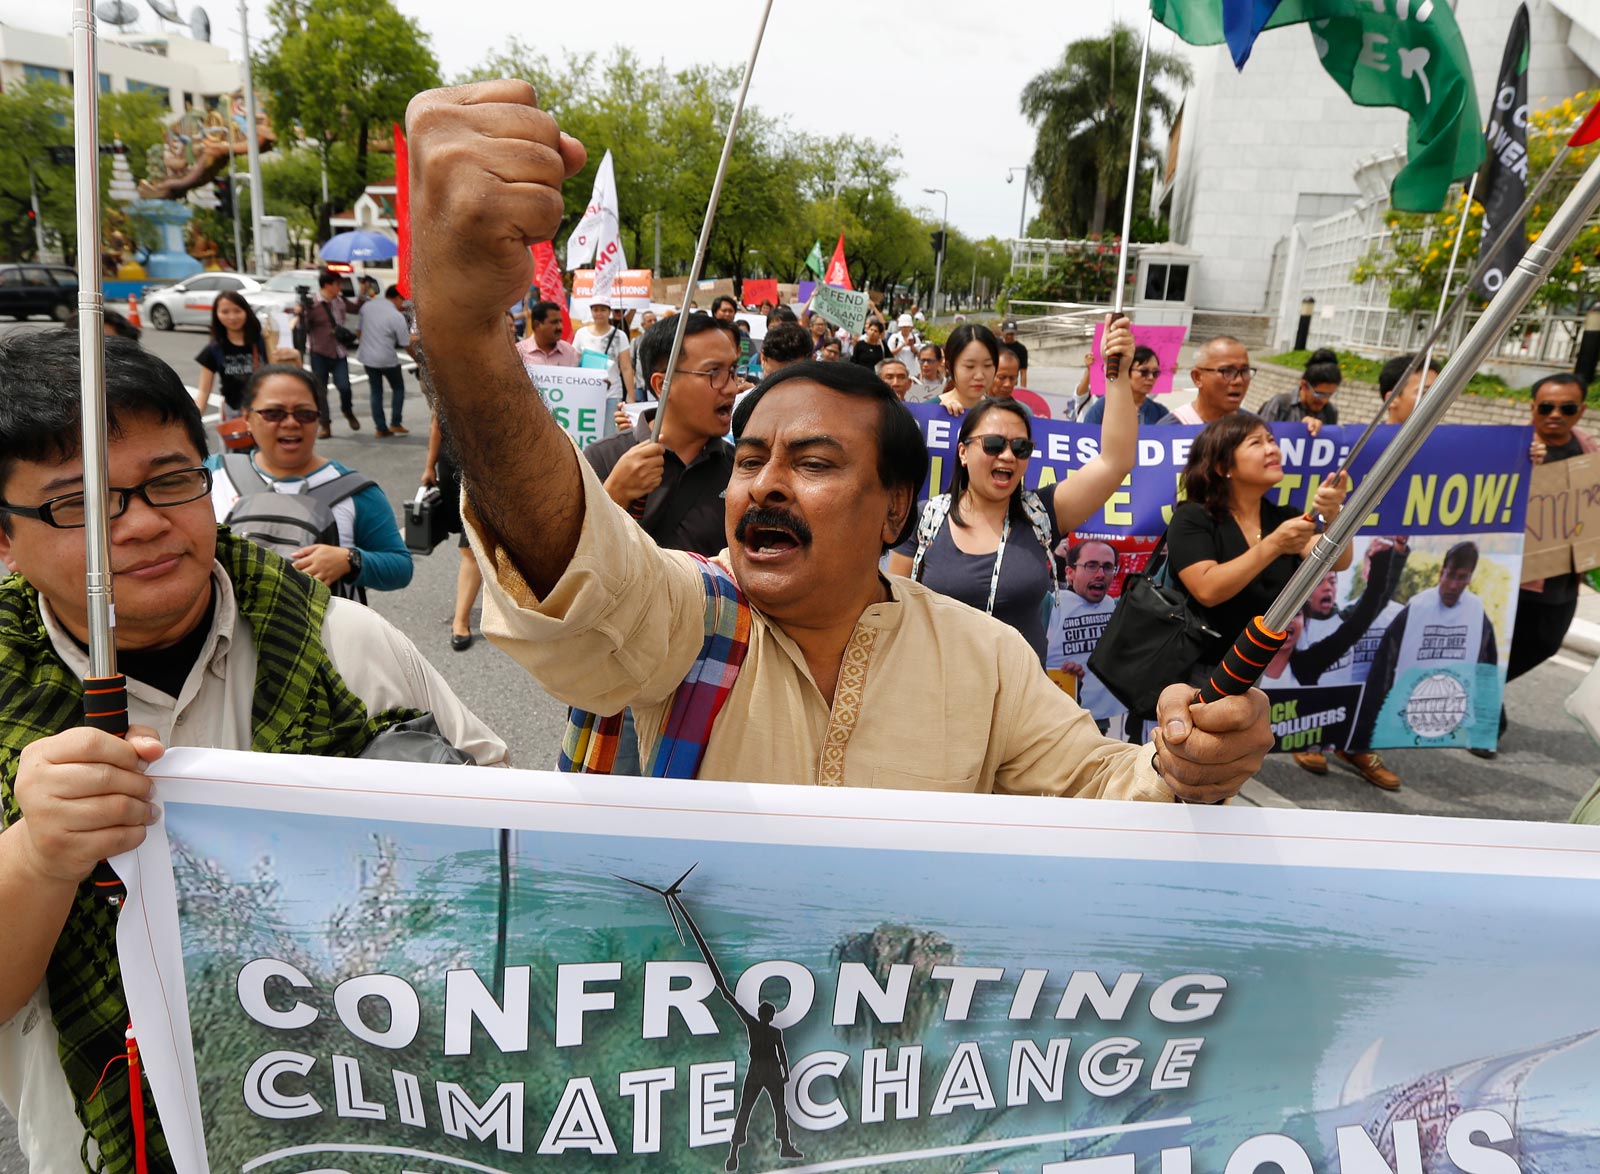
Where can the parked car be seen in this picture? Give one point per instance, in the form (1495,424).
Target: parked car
(38,289)
(189,302)
(278,293)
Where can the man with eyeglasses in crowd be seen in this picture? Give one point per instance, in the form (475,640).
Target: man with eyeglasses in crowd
(927,383)
(674,487)
(1221,374)
(223,645)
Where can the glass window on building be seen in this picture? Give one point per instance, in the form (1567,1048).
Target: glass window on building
(43,73)
(105,83)
(162,92)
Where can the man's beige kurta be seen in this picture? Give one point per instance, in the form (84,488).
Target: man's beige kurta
(932,696)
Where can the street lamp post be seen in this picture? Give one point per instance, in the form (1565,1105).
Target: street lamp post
(1027,173)
(252,142)
(938,261)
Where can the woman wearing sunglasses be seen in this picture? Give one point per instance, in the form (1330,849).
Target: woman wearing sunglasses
(367,551)
(1146,370)
(989,541)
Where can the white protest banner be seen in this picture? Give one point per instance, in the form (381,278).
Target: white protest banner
(576,397)
(598,236)
(842,307)
(338,964)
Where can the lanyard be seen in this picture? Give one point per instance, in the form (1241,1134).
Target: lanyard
(999,557)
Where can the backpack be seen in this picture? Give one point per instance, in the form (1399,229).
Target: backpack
(932,521)
(285,522)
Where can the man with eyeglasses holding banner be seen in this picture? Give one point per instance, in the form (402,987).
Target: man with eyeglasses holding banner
(1221,374)
(223,644)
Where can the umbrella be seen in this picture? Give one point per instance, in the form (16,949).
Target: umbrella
(359,246)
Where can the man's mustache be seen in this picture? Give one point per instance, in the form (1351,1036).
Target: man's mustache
(762,518)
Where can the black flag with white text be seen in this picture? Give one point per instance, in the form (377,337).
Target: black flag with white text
(1503,184)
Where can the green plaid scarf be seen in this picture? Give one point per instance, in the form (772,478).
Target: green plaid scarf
(301,706)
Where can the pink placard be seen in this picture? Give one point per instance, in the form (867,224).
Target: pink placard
(1166,341)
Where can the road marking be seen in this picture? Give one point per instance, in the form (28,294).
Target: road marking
(1258,794)
(1576,666)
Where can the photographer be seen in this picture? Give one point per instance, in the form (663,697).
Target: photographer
(328,339)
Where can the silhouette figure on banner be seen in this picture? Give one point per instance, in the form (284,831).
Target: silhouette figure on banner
(768,1070)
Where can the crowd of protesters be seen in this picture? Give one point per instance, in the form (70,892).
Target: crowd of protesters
(763,505)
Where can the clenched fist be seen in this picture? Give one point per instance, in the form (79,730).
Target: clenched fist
(487,167)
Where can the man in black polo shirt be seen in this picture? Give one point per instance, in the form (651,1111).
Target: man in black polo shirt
(679,481)
(675,487)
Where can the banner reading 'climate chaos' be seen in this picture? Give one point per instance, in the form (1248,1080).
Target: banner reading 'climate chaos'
(1406,648)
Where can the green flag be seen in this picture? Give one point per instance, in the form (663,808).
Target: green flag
(814,261)
(1407,54)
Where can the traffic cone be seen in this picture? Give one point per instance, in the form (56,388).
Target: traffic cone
(133,311)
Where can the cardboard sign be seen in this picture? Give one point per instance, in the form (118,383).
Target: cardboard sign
(670,289)
(630,291)
(1166,341)
(1563,518)
(842,307)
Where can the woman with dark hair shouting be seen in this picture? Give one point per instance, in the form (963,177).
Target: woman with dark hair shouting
(1228,547)
(989,541)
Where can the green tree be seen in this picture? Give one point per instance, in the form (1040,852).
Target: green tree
(1414,256)
(1083,108)
(342,71)
(36,116)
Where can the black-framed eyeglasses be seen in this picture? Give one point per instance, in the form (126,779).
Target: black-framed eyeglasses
(178,487)
(1231,373)
(718,377)
(279,415)
(995,444)
(1093,567)
(1566,409)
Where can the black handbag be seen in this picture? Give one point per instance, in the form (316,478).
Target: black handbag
(1153,639)
(427,521)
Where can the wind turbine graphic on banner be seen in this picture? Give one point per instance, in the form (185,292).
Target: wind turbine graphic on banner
(598,237)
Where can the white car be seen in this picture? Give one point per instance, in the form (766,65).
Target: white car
(280,292)
(189,302)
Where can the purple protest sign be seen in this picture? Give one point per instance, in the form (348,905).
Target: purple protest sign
(807,288)
(1166,341)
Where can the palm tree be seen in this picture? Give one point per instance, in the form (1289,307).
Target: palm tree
(1083,108)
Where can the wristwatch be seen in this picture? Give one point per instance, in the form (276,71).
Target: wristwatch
(354,556)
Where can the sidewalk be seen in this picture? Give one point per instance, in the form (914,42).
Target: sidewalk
(1584,635)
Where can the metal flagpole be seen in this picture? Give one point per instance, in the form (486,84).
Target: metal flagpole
(1266,634)
(1114,362)
(705,228)
(1485,256)
(1455,251)
(105,692)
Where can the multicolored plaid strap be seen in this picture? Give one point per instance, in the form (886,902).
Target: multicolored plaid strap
(589,745)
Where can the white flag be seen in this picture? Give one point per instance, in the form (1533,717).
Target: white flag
(598,237)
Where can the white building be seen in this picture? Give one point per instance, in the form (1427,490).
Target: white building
(182,71)
(1280,145)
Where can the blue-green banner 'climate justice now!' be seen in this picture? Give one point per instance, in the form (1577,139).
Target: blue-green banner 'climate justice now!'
(348,966)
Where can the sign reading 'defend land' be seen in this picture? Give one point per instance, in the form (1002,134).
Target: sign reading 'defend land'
(842,307)
(576,397)
(343,965)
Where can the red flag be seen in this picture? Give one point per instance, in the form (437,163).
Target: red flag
(1589,131)
(402,209)
(838,272)
(547,276)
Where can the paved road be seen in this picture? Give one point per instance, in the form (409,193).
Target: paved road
(1545,766)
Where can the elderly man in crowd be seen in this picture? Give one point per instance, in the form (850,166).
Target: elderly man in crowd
(844,677)
(1221,374)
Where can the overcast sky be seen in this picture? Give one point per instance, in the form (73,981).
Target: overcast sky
(942,80)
